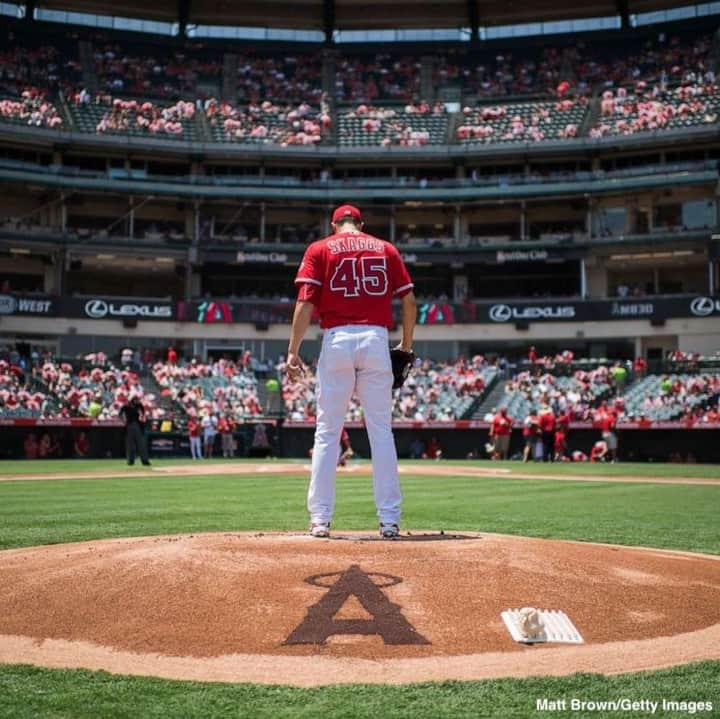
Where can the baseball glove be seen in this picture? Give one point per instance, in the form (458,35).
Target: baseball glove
(401,363)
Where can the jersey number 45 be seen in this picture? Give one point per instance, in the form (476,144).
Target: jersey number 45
(356,275)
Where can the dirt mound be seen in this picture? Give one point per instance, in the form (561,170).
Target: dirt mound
(241,607)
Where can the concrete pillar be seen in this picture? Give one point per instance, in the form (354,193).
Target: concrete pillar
(457,226)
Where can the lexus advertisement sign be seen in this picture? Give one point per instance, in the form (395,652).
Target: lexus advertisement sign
(108,309)
(650,308)
(523,312)
(93,308)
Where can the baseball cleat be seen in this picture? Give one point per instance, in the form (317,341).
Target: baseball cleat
(389,531)
(320,529)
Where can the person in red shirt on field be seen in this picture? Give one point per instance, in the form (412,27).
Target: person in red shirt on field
(500,430)
(546,420)
(194,430)
(433,449)
(600,452)
(351,278)
(226,427)
(81,446)
(607,419)
(532,355)
(560,446)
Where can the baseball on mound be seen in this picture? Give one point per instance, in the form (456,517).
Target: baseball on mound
(531,625)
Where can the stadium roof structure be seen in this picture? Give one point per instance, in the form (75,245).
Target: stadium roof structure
(329,15)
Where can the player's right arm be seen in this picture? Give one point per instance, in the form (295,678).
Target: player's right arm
(309,281)
(300,323)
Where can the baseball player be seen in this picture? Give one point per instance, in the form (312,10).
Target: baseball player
(351,278)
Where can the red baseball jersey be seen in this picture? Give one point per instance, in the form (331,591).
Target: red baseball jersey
(351,278)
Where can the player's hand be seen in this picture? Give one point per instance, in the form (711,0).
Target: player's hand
(403,348)
(294,367)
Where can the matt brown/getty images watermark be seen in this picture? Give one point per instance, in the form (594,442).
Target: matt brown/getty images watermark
(644,706)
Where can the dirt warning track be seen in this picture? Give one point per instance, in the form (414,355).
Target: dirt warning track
(424,469)
(286,608)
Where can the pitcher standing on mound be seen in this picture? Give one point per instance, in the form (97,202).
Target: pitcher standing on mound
(351,278)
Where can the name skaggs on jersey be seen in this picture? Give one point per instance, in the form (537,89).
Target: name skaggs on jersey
(354,244)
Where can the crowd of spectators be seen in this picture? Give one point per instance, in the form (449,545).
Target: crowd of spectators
(287,79)
(694,398)
(538,121)
(368,79)
(414,125)
(28,62)
(267,122)
(127,115)
(170,75)
(32,108)
(213,389)
(434,392)
(91,387)
(96,389)
(577,395)
(625,113)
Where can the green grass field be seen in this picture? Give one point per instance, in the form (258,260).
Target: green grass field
(659,515)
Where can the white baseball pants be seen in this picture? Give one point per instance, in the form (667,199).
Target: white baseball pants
(354,357)
(195,448)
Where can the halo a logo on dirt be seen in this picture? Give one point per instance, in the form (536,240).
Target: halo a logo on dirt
(704,306)
(387,618)
(7,305)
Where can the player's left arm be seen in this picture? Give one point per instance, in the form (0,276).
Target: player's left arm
(402,287)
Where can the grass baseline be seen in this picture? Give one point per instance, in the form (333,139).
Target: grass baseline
(31,692)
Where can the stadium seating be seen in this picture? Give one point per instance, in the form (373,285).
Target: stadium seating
(133,69)
(435,391)
(626,112)
(669,397)
(522,122)
(220,387)
(31,109)
(410,126)
(267,123)
(577,394)
(107,115)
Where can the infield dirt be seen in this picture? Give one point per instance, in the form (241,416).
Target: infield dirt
(223,606)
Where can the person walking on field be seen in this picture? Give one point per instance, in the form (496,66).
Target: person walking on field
(351,279)
(133,415)
(500,431)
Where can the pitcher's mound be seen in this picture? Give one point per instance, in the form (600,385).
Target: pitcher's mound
(286,608)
